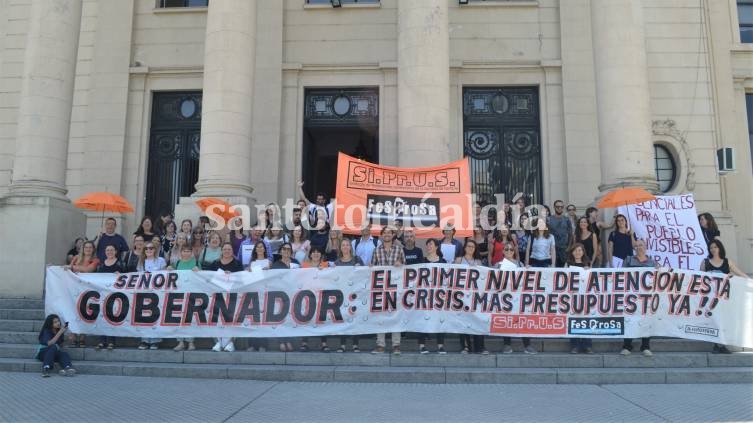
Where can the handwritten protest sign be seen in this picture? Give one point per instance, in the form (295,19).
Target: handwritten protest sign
(669,225)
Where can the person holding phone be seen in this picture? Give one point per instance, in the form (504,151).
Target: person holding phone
(51,339)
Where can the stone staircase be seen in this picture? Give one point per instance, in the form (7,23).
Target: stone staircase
(674,360)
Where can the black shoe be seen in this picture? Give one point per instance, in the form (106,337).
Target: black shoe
(45,372)
(724,350)
(716,349)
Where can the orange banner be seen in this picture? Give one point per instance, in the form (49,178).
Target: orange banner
(426,199)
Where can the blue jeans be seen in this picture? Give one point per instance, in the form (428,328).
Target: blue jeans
(48,356)
(580,343)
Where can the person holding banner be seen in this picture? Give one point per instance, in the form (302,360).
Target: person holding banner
(577,257)
(541,250)
(346,258)
(50,343)
(640,259)
(717,262)
(365,245)
(229,264)
(497,242)
(471,257)
(510,259)
(413,254)
(316,254)
(332,249)
(388,253)
(150,261)
(111,264)
(621,242)
(433,255)
(86,262)
(286,260)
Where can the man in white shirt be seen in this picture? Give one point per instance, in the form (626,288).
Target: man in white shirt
(364,246)
(322,202)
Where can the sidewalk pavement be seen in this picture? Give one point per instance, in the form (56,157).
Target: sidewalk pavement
(27,397)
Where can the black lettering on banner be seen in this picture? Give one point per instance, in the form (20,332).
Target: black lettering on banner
(221,307)
(122,300)
(331,301)
(146,308)
(249,307)
(89,311)
(308,299)
(276,307)
(199,310)
(120,281)
(173,303)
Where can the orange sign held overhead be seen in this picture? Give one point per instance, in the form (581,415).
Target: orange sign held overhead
(425,199)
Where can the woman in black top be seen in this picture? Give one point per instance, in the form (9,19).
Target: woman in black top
(227,261)
(78,246)
(717,262)
(111,264)
(585,236)
(433,254)
(229,264)
(146,229)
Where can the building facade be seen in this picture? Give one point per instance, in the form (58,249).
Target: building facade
(162,100)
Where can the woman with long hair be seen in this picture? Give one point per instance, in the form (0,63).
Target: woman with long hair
(577,256)
(708,227)
(132,257)
(497,241)
(197,241)
(717,262)
(584,236)
(275,238)
(433,254)
(168,238)
(237,235)
(51,339)
(347,258)
(86,262)
(229,264)
(522,236)
(620,244)
(332,249)
(146,228)
(315,260)
(111,264)
(471,257)
(78,244)
(541,250)
(482,243)
(300,244)
(260,257)
(150,261)
(510,254)
(181,240)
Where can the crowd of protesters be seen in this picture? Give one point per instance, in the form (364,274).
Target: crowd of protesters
(538,239)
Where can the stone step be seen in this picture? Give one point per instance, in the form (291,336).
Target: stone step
(21,325)
(26,303)
(406,360)
(22,314)
(367,342)
(369,374)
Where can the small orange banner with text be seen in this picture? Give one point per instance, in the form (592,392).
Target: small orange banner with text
(427,199)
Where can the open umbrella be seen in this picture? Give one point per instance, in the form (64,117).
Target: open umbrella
(624,197)
(104,202)
(223,212)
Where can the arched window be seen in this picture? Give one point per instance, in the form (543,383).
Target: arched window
(666,169)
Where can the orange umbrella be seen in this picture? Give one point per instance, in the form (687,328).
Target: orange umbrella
(224,211)
(624,197)
(104,202)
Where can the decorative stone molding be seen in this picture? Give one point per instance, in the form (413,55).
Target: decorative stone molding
(666,133)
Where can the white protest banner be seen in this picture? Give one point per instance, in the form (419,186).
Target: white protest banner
(669,226)
(430,298)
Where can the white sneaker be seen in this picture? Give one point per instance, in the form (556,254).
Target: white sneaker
(507,349)
(625,351)
(217,347)
(647,353)
(530,350)
(230,347)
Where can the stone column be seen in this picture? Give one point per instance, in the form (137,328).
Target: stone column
(622,95)
(227,104)
(423,82)
(37,199)
(44,114)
